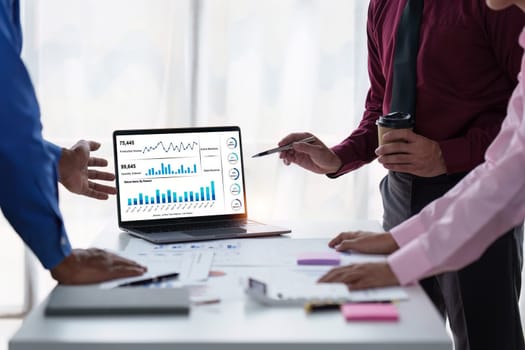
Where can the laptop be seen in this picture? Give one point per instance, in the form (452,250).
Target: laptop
(183,185)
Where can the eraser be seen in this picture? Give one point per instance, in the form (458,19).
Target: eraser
(370,312)
(327,258)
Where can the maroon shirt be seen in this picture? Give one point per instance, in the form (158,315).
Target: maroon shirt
(467,67)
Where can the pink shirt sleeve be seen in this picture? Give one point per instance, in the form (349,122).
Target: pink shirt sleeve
(455,230)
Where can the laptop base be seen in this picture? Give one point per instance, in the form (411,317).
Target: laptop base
(184,236)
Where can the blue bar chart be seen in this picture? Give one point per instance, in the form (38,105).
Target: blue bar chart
(202,194)
(167,169)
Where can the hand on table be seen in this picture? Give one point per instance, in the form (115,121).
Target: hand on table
(364,242)
(76,175)
(316,156)
(407,152)
(86,266)
(362,276)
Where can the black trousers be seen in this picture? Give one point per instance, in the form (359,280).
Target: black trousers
(480,300)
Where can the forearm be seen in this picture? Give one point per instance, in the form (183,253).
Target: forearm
(29,202)
(486,204)
(357,149)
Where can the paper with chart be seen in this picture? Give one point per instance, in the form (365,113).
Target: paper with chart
(274,260)
(192,266)
(275,251)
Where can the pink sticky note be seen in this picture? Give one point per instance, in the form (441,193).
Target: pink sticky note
(370,312)
(326,258)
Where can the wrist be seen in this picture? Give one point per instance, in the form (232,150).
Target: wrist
(441,167)
(65,155)
(64,272)
(335,165)
(390,242)
(392,278)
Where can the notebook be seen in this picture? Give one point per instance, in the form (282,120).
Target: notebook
(183,185)
(91,300)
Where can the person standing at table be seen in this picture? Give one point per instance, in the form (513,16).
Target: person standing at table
(31,168)
(452,65)
(456,229)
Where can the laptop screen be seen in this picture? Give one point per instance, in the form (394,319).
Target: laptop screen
(179,173)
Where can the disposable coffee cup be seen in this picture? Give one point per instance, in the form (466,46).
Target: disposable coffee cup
(393,121)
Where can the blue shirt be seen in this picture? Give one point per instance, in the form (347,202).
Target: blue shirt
(28,164)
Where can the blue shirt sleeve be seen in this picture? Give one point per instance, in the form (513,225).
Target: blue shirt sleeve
(28,186)
(56,151)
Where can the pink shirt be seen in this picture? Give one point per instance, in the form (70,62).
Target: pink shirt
(455,230)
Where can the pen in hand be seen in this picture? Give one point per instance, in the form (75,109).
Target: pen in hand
(310,139)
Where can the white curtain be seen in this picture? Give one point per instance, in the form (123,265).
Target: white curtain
(279,66)
(272,67)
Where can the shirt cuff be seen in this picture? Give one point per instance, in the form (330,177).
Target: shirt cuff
(51,261)
(345,158)
(56,151)
(407,231)
(410,263)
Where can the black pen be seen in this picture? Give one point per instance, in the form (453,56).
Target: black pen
(310,139)
(149,280)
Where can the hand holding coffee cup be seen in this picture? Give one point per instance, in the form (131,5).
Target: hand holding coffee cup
(394,120)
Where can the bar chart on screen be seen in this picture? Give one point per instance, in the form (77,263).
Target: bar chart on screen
(167,169)
(202,194)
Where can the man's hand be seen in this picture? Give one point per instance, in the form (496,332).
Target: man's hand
(406,152)
(316,156)
(362,276)
(364,242)
(75,175)
(85,266)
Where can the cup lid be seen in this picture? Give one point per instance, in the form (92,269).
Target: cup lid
(396,120)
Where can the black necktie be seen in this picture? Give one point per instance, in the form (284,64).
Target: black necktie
(405,57)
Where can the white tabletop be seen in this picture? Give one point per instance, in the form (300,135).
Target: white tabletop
(237,322)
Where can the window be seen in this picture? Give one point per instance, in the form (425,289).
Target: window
(272,67)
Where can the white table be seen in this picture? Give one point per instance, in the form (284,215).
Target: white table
(237,322)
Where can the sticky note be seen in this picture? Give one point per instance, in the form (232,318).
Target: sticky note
(325,258)
(370,312)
